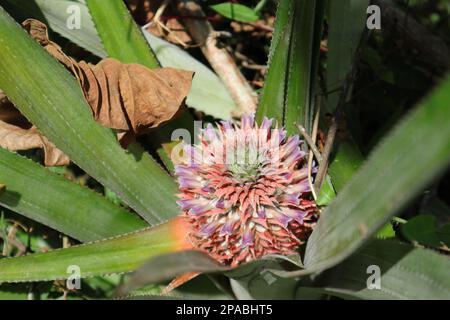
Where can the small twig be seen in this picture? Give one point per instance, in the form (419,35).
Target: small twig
(221,61)
(9,241)
(259,67)
(310,158)
(260,26)
(347,90)
(248,63)
(329,142)
(159,12)
(11,236)
(346,95)
(65,242)
(311,143)
(161,26)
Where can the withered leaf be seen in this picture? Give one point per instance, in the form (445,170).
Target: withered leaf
(14,138)
(53,156)
(16,133)
(129,98)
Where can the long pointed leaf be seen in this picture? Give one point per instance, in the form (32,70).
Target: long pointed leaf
(293,59)
(60,204)
(272,101)
(405,273)
(116,255)
(52,100)
(120,35)
(303,63)
(346,23)
(169,266)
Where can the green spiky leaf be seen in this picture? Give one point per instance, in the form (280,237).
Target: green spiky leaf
(116,255)
(64,206)
(293,57)
(121,37)
(405,272)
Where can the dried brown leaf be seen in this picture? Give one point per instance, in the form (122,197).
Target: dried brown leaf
(16,133)
(16,138)
(53,156)
(152,97)
(39,32)
(129,98)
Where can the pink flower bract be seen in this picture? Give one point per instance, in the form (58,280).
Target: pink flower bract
(245,192)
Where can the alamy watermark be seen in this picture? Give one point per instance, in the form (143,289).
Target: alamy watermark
(227,146)
(74,279)
(73,21)
(374,280)
(374,20)
(268,277)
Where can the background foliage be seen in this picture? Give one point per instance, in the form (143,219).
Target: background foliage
(385,200)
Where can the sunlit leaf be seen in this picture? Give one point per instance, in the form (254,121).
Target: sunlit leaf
(386,232)
(116,255)
(327,193)
(235,11)
(391,177)
(120,35)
